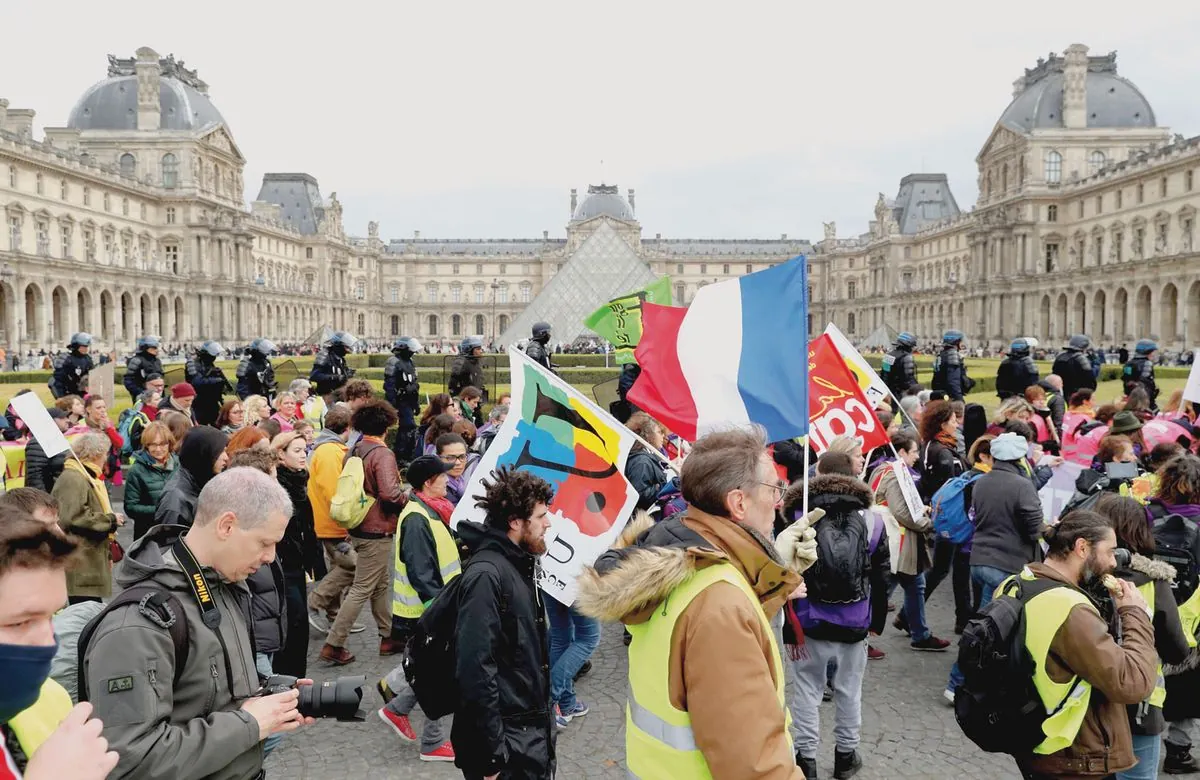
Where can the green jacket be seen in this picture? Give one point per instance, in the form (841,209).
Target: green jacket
(144,484)
(80,513)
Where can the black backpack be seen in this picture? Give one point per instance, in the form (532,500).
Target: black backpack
(431,653)
(997,706)
(1175,540)
(160,607)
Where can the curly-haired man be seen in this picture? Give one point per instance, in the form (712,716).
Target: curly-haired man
(502,659)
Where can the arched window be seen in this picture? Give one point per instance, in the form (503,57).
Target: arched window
(503,322)
(433,324)
(456,325)
(395,325)
(1053,167)
(170,171)
(1096,161)
(478,324)
(128,164)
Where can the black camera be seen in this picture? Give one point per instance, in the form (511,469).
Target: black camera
(340,698)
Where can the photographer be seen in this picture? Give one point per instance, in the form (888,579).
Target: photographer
(204,719)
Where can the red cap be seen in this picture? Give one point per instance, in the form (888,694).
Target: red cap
(183,390)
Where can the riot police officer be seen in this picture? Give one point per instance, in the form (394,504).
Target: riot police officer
(1017,371)
(403,391)
(1140,370)
(142,365)
(949,371)
(71,369)
(209,380)
(898,370)
(465,371)
(1074,366)
(255,374)
(330,371)
(536,348)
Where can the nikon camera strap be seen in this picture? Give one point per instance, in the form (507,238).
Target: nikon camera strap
(210,613)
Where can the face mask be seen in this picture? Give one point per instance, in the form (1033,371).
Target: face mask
(23,669)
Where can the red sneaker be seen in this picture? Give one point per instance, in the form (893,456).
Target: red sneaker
(875,654)
(443,753)
(399,724)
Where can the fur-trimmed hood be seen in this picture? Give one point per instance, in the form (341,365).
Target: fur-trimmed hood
(628,582)
(1155,570)
(831,492)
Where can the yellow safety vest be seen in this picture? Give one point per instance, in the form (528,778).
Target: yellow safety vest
(406,603)
(659,743)
(34,725)
(1066,703)
(1160,684)
(1189,616)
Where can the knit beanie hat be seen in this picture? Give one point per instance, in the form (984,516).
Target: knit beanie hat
(183,390)
(1009,446)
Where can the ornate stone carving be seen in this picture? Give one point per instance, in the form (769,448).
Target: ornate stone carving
(830,230)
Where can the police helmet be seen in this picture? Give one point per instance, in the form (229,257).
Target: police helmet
(469,344)
(1080,342)
(264,347)
(906,339)
(952,337)
(1019,347)
(148,342)
(210,348)
(406,343)
(341,339)
(1145,347)
(541,331)
(80,340)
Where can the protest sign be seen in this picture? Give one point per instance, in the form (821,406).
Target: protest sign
(912,497)
(29,408)
(1058,491)
(874,389)
(100,382)
(1191,391)
(836,405)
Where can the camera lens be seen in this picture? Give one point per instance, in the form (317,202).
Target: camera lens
(340,698)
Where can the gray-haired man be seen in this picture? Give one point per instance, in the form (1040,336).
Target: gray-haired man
(203,722)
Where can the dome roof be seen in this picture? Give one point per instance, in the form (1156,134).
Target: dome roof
(112,105)
(603,200)
(1112,101)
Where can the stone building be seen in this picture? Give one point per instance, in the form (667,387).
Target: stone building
(1084,224)
(132,220)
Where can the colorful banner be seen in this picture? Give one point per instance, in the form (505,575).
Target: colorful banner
(558,434)
(14,464)
(1056,494)
(874,389)
(836,404)
(620,320)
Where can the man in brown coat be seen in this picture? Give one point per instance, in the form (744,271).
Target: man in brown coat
(722,670)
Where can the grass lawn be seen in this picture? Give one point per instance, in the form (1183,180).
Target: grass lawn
(1106,393)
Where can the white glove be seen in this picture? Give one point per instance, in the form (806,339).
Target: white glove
(797,544)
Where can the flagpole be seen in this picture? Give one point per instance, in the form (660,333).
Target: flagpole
(804,505)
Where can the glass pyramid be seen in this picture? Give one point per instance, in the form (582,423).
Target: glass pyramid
(603,268)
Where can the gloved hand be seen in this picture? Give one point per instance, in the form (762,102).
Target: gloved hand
(797,544)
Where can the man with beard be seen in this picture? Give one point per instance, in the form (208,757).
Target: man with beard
(1083,676)
(503,663)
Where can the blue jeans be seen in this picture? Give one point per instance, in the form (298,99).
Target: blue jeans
(988,578)
(914,604)
(262,663)
(1146,748)
(573,639)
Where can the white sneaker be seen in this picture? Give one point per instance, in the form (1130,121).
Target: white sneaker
(318,621)
(948,695)
(358,628)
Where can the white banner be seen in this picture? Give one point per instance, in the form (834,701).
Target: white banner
(1191,391)
(557,433)
(1058,491)
(29,408)
(873,387)
(912,497)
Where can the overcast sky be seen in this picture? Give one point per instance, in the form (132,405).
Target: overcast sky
(475,119)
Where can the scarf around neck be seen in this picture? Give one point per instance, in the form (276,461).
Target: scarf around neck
(98,488)
(442,506)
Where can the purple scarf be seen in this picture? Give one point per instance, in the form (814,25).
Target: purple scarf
(1186,510)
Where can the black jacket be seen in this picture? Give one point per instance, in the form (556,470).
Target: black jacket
(200,449)
(299,551)
(210,383)
(647,475)
(1014,375)
(330,371)
(899,371)
(268,608)
(255,376)
(140,366)
(400,384)
(1008,518)
(790,455)
(938,464)
(950,374)
(537,352)
(70,374)
(41,472)
(1141,371)
(503,722)
(1076,371)
(1057,404)
(465,371)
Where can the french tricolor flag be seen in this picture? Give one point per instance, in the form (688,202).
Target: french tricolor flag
(737,355)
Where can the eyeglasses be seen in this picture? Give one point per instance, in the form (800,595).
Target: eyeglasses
(454,458)
(779,486)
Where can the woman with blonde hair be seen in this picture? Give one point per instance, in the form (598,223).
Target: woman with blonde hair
(285,411)
(257,409)
(85,511)
(299,552)
(1015,408)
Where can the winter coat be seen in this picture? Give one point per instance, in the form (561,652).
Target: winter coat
(140,366)
(950,374)
(210,383)
(255,376)
(381,481)
(647,475)
(899,371)
(70,374)
(938,465)
(299,551)
(144,485)
(825,613)
(914,557)
(80,512)
(268,607)
(1169,640)
(1008,518)
(1076,371)
(200,449)
(158,727)
(1014,375)
(721,668)
(790,455)
(41,472)
(324,468)
(330,371)
(1119,675)
(503,721)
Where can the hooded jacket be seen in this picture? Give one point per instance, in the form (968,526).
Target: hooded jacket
(1008,518)
(199,452)
(154,725)
(144,485)
(324,468)
(721,670)
(503,722)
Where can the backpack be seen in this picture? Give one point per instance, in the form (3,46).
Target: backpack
(350,503)
(125,428)
(160,607)
(844,551)
(953,520)
(997,706)
(1174,542)
(431,653)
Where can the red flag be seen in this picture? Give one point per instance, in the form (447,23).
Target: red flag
(660,389)
(836,404)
